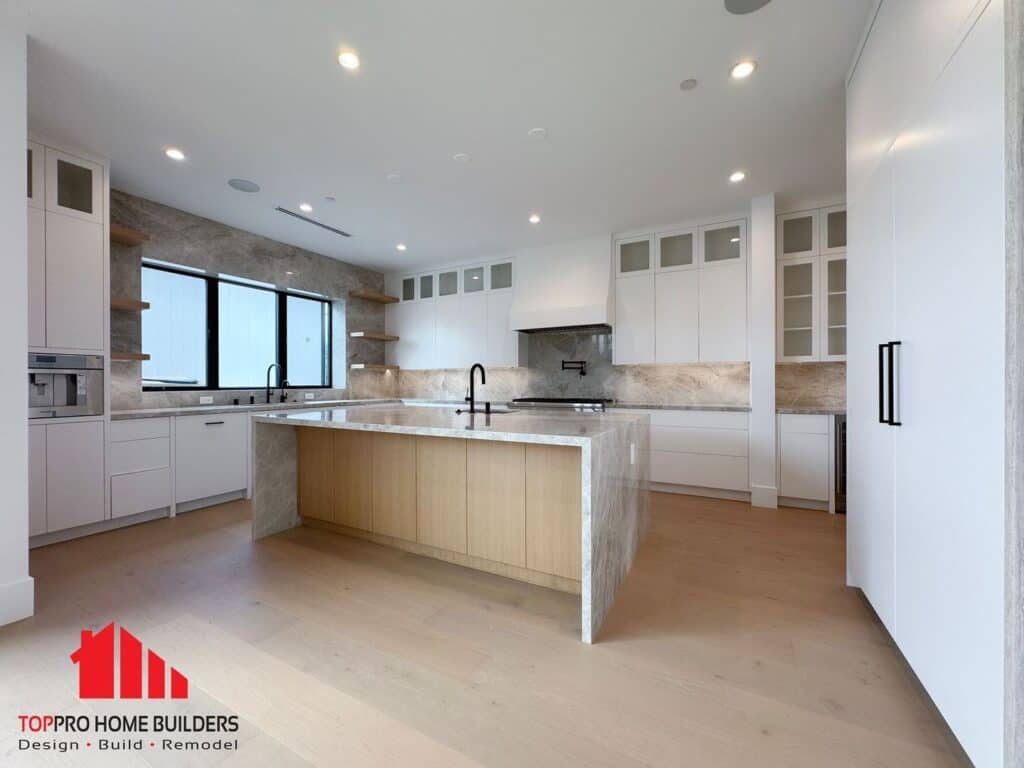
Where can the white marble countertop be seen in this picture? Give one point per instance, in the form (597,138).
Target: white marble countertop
(525,426)
(189,410)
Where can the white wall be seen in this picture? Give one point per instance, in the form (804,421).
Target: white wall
(926,183)
(763,490)
(16,589)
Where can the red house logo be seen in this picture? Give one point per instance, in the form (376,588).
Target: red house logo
(95,659)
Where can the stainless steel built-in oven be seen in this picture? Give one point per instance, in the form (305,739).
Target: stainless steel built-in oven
(64,385)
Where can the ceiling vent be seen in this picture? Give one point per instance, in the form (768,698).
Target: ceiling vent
(314,222)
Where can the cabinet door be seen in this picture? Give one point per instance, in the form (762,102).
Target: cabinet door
(394,485)
(74,283)
(502,344)
(554,500)
(723,244)
(634,256)
(36,278)
(677,250)
(797,235)
(833,230)
(797,310)
(723,313)
(441,493)
(634,320)
(474,329)
(210,454)
(395,322)
(833,308)
(315,465)
(677,312)
(803,460)
(353,478)
(74,474)
(496,501)
(448,331)
(36,479)
(420,332)
(74,186)
(36,161)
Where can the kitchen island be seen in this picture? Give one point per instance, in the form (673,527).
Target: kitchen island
(553,498)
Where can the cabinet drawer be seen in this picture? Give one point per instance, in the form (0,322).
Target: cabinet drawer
(140,492)
(722,442)
(210,455)
(814,424)
(139,429)
(138,455)
(700,419)
(722,472)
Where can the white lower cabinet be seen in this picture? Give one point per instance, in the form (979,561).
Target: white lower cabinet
(140,466)
(210,455)
(804,456)
(136,492)
(36,479)
(74,474)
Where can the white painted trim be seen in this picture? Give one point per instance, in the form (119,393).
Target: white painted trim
(17,600)
(766,496)
(694,490)
(787,501)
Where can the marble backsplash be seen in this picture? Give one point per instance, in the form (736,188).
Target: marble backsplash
(810,385)
(183,238)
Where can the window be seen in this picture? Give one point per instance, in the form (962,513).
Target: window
(205,332)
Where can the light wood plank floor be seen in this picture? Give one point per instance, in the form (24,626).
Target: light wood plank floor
(733,642)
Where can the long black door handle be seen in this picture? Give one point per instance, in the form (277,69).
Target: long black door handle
(892,384)
(881,384)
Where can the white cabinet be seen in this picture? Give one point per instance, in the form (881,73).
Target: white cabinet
(833,230)
(474,329)
(797,234)
(210,455)
(74,186)
(723,313)
(833,307)
(74,283)
(724,243)
(36,161)
(634,320)
(804,456)
(36,277)
(676,316)
(36,479)
(74,474)
(448,321)
(797,326)
(634,256)
(140,466)
(502,344)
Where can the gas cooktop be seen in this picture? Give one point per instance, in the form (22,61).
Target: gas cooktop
(578,403)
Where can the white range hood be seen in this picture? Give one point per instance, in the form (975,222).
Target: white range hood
(568,285)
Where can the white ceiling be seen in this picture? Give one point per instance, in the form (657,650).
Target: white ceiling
(253,90)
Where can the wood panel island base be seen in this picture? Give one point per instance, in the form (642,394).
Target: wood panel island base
(551,498)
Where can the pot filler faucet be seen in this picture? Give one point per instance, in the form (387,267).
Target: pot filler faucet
(269,369)
(472,388)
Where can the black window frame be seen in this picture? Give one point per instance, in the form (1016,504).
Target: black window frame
(213,333)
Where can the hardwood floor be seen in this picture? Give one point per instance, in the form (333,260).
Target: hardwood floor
(733,642)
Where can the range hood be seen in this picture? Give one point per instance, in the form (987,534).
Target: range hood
(566,287)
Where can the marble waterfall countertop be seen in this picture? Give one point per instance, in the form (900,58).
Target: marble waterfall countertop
(550,426)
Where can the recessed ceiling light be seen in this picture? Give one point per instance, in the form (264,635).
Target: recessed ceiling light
(734,240)
(393,178)
(289,273)
(740,7)
(400,246)
(305,207)
(535,218)
(174,153)
(244,185)
(476,277)
(743,69)
(348,59)
(688,85)
(737,176)
(537,133)
(461,157)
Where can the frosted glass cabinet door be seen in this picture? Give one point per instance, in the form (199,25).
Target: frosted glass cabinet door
(723,243)
(634,255)
(74,186)
(833,230)
(797,234)
(833,306)
(677,250)
(797,310)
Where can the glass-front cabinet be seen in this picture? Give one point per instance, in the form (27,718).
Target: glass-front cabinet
(73,186)
(811,285)
(633,256)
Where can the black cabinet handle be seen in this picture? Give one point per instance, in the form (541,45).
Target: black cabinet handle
(892,384)
(881,384)
(887,384)
(213,423)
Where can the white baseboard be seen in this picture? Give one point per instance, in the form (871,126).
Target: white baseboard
(766,496)
(45,539)
(785,501)
(189,506)
(694,490)
(17,600)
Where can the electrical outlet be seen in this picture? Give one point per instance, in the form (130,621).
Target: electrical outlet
(632,453)
(206,399)
(308,395)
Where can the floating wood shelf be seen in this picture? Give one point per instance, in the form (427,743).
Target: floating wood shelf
(373,335)
(127,235)
(129,305)
(372,367)
(129,356)
(380,298)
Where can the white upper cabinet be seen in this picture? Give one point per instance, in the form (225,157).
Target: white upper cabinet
(723,314)
(833,230)
(634,256)
(797,309)
(73,186)
(74,283)
(677,250)
(634,320)
(36,277)
(833,308)
(36,166)
(724,243)
(797,235)
(677,313)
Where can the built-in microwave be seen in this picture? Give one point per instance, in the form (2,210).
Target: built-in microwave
(64,385)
